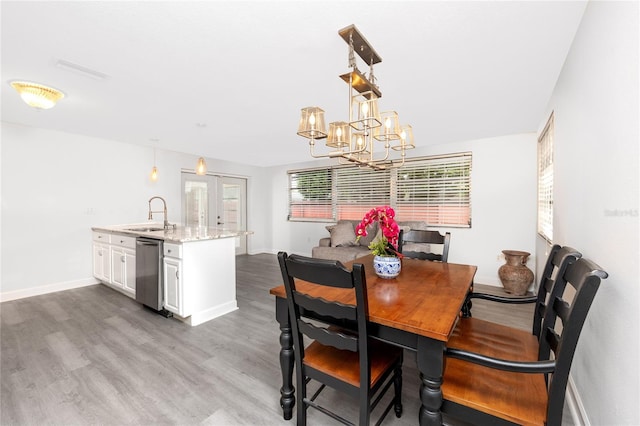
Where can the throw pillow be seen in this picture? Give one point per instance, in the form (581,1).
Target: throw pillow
(342,235)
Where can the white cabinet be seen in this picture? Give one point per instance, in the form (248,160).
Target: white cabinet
(114,261)
(172,272)
(198,282)
(123,263)
(101,256)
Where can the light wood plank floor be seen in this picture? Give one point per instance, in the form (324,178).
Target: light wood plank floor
(94,356)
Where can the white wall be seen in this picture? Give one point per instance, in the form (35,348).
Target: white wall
(55,186)
(503,205)
(596,187)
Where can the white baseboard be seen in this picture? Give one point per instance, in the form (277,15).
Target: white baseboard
(45,289)
(209,314)
(574,404)
(261,251)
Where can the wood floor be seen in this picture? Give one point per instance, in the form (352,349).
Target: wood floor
(94,356)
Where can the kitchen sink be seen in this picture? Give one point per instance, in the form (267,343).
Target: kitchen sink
(145,229)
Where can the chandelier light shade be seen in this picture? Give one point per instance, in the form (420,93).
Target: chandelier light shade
(406,139)
(37,95)
(390,129)
(353,141)
(312,123)
(339,134)
(201,167)
(368,115)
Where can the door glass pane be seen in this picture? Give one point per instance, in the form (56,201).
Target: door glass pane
(196,203)
(231,206)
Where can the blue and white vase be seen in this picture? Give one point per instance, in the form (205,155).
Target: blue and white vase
(387,266)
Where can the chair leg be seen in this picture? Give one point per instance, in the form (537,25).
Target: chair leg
(301,407)
(397,387)
(365,409)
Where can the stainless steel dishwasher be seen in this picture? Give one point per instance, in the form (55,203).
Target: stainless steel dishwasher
(149,289)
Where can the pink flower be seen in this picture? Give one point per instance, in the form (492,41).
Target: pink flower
(385,217)
(361,230)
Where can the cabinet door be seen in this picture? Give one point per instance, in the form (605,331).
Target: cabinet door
(173,285)
(129,283)
(118,266)
(101,262)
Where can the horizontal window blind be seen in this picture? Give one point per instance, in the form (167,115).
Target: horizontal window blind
(545,181)
(432,189)
(436,190)
(310,193)
(358,190)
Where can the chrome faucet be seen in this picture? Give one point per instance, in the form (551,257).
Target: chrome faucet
(164,212)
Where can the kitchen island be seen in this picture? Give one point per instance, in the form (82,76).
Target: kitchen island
(198,276)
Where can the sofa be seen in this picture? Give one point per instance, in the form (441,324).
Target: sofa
(341,243)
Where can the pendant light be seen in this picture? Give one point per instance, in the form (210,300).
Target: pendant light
(201,167)
(354,141)
(154,171)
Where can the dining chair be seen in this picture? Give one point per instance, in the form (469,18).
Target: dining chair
(417,243)
(345,359)
(557,259)
(499,375)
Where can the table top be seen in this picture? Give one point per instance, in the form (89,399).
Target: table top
(425,299)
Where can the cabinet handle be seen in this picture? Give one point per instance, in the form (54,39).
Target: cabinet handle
(177,276)
(169,251)
(122,259)
(100,253)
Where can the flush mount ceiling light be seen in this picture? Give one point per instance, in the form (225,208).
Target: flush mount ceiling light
(37,95)
(354,142)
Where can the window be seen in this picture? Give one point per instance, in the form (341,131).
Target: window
(432,189)
(436,190)
(545,181)
(358,190)
(310,193)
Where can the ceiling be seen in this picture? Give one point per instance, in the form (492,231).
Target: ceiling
(227,79)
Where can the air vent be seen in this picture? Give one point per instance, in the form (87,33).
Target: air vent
(79,69)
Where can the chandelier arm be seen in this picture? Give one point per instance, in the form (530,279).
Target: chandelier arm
(333,154)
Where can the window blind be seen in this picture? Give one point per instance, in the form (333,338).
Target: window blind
(433,189)
(358,190)
(436,190)
(310,193)
(545,181)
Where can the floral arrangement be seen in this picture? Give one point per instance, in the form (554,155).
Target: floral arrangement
(387,243)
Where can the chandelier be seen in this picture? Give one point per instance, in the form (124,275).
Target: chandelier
(355,141)
(37,95)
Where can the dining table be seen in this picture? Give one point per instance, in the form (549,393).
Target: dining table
(418,310)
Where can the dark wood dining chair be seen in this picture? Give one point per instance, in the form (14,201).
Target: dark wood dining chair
(499,375)
(557,260)
(345,359)
(410,242)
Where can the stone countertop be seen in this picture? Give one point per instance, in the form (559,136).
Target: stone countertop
(179,234)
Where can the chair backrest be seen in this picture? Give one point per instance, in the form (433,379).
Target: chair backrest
(417,236)
(329,273)
(557,261)
(584,276)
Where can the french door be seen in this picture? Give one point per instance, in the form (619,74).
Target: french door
(215,201)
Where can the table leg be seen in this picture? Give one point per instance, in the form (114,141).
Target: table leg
(430,357)
(287,398)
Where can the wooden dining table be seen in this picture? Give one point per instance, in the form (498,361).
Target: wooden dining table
(417,310)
